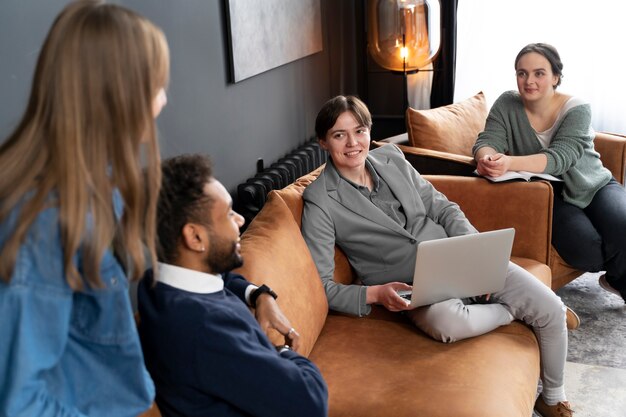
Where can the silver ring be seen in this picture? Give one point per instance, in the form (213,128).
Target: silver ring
(290,331)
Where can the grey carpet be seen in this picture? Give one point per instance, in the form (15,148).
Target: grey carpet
(595,375)
(601,337)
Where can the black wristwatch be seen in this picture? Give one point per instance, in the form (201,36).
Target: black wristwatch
(263,289)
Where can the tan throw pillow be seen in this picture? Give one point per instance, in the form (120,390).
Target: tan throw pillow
(452,128)
(292,197)
(275,254)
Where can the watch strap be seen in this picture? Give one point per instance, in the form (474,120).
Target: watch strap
(263,289)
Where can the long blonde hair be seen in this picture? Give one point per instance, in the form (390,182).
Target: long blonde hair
(88,117)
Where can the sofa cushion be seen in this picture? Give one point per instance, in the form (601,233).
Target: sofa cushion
(275,254)
(451,128)
(377,367)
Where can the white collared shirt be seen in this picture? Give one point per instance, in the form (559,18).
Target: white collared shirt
(194,281)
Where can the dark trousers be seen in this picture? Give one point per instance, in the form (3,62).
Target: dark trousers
(594,238)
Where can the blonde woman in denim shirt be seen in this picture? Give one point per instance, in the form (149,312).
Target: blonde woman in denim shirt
(76,213)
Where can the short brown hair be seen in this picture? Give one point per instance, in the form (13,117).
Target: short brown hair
(333,108)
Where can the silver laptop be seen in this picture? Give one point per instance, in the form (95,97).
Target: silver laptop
(460,266)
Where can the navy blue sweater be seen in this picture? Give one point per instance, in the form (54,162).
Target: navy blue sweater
(208,356)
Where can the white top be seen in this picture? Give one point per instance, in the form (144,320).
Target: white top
(546,136)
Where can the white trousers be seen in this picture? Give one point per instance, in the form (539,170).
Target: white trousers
(526,299)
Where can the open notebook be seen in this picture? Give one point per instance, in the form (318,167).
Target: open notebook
(520,175)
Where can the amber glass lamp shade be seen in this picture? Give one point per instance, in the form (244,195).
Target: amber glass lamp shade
(403,35)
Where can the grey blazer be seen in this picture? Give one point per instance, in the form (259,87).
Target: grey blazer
(378,248)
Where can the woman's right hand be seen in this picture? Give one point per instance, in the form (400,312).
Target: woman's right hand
(387,296)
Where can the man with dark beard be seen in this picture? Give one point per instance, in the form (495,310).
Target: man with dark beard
(203,347)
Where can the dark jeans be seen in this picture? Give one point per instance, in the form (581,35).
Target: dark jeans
(594,238)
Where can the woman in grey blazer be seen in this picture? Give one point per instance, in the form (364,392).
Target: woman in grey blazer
(377,208)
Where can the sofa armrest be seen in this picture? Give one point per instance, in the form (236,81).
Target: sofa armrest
(430,162)
(401,139)
(525,206)
(612,149)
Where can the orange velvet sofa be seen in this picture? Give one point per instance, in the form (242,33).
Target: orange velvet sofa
(381,365)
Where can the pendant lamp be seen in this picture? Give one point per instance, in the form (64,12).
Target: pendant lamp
(403,35)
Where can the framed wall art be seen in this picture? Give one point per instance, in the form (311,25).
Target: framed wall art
(265,34)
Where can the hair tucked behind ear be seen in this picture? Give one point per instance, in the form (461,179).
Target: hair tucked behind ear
(88,115)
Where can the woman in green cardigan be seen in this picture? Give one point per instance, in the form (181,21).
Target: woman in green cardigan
(539,129)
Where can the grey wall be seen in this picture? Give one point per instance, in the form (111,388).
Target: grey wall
(23,26)
(264,116)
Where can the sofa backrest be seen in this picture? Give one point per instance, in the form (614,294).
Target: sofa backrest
(292,196)
(612,149)
(525,206)
(275,254)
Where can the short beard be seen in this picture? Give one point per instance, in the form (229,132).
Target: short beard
(223,257)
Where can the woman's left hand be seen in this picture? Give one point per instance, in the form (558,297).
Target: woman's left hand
(493,165)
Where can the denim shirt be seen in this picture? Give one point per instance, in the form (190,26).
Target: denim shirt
(66,353)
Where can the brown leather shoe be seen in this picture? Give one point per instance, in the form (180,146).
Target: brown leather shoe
(572,319)
(562,409)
